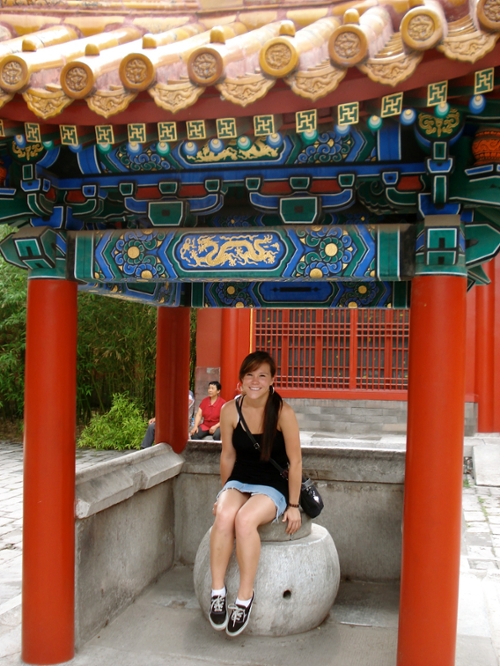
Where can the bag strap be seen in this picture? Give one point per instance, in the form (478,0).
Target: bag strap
(250,435)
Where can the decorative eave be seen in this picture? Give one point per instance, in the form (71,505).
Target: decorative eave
(189,126)
(61,58)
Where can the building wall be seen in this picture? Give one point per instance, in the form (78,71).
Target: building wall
(210,357)
(208,351)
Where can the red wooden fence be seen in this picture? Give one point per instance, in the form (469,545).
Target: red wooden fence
(336,353)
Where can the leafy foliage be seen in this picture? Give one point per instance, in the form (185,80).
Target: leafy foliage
(123,427)
(116,353)
(13,283)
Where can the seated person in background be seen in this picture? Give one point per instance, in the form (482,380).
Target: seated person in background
(149,437)
(207,419)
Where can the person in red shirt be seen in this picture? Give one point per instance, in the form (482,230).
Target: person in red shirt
(207,419)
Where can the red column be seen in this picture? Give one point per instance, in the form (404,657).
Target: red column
(235,345)
(485,351)
(172,376)
(49,473)
(496,343)
(433,481)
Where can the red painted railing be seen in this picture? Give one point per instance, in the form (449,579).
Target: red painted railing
(336,353)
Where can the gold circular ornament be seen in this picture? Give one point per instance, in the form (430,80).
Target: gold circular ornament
(331,250)
(488,12)
(362,289)
(348,46)
(14,74)
(137,72)
(352,305)
(146,275)
(133,252)
(77,80)
(231,291)
(421,28)
(278,57)
(239,304)
(205,66)
(316,273)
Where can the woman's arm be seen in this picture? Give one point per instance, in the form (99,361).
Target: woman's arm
(197,421)
(288,425)
(228,417)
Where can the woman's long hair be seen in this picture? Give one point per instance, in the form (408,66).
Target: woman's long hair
(274,402)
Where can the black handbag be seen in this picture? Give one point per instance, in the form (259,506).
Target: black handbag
(310,500)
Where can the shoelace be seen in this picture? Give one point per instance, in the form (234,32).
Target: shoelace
(218,604)
(237,613)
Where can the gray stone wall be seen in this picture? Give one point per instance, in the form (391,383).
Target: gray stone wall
(362,417)
(124,533)
(362,490)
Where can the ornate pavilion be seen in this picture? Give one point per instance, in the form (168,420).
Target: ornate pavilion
(247,154)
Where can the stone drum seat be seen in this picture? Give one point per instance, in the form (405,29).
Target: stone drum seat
(296,583)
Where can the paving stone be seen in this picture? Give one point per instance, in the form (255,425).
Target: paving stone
(481,552)
(470,516)
(478,527)
(483,565)
(15,537)
(478,539)
(7,554)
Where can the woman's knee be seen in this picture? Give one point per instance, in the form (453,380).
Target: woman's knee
(245,523)
(225,519)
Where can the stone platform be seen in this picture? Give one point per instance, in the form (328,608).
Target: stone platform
(165,623)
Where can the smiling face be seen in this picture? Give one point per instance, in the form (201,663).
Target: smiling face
(255,383)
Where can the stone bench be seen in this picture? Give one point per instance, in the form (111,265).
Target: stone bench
(296,583)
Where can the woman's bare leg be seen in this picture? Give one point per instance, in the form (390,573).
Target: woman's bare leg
(258,510)
(223,533)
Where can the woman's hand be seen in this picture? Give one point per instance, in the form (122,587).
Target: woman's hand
(292,515)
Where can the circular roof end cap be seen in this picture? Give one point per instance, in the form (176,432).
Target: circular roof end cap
(348,46)
(14,74)
(205,66)
(421,28)
(77,80)
(488,14)
(137,72)
(279,57)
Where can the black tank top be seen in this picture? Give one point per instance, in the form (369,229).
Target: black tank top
(249,468)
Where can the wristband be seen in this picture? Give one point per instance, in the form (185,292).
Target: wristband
(294,506)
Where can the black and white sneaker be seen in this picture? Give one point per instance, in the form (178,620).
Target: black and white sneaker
(238,618)
(218,613)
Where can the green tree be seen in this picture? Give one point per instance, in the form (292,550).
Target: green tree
(116,353)
(13,284)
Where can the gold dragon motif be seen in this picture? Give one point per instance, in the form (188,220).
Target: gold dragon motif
(208,251)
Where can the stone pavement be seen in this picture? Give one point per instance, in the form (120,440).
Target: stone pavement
(165,625)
